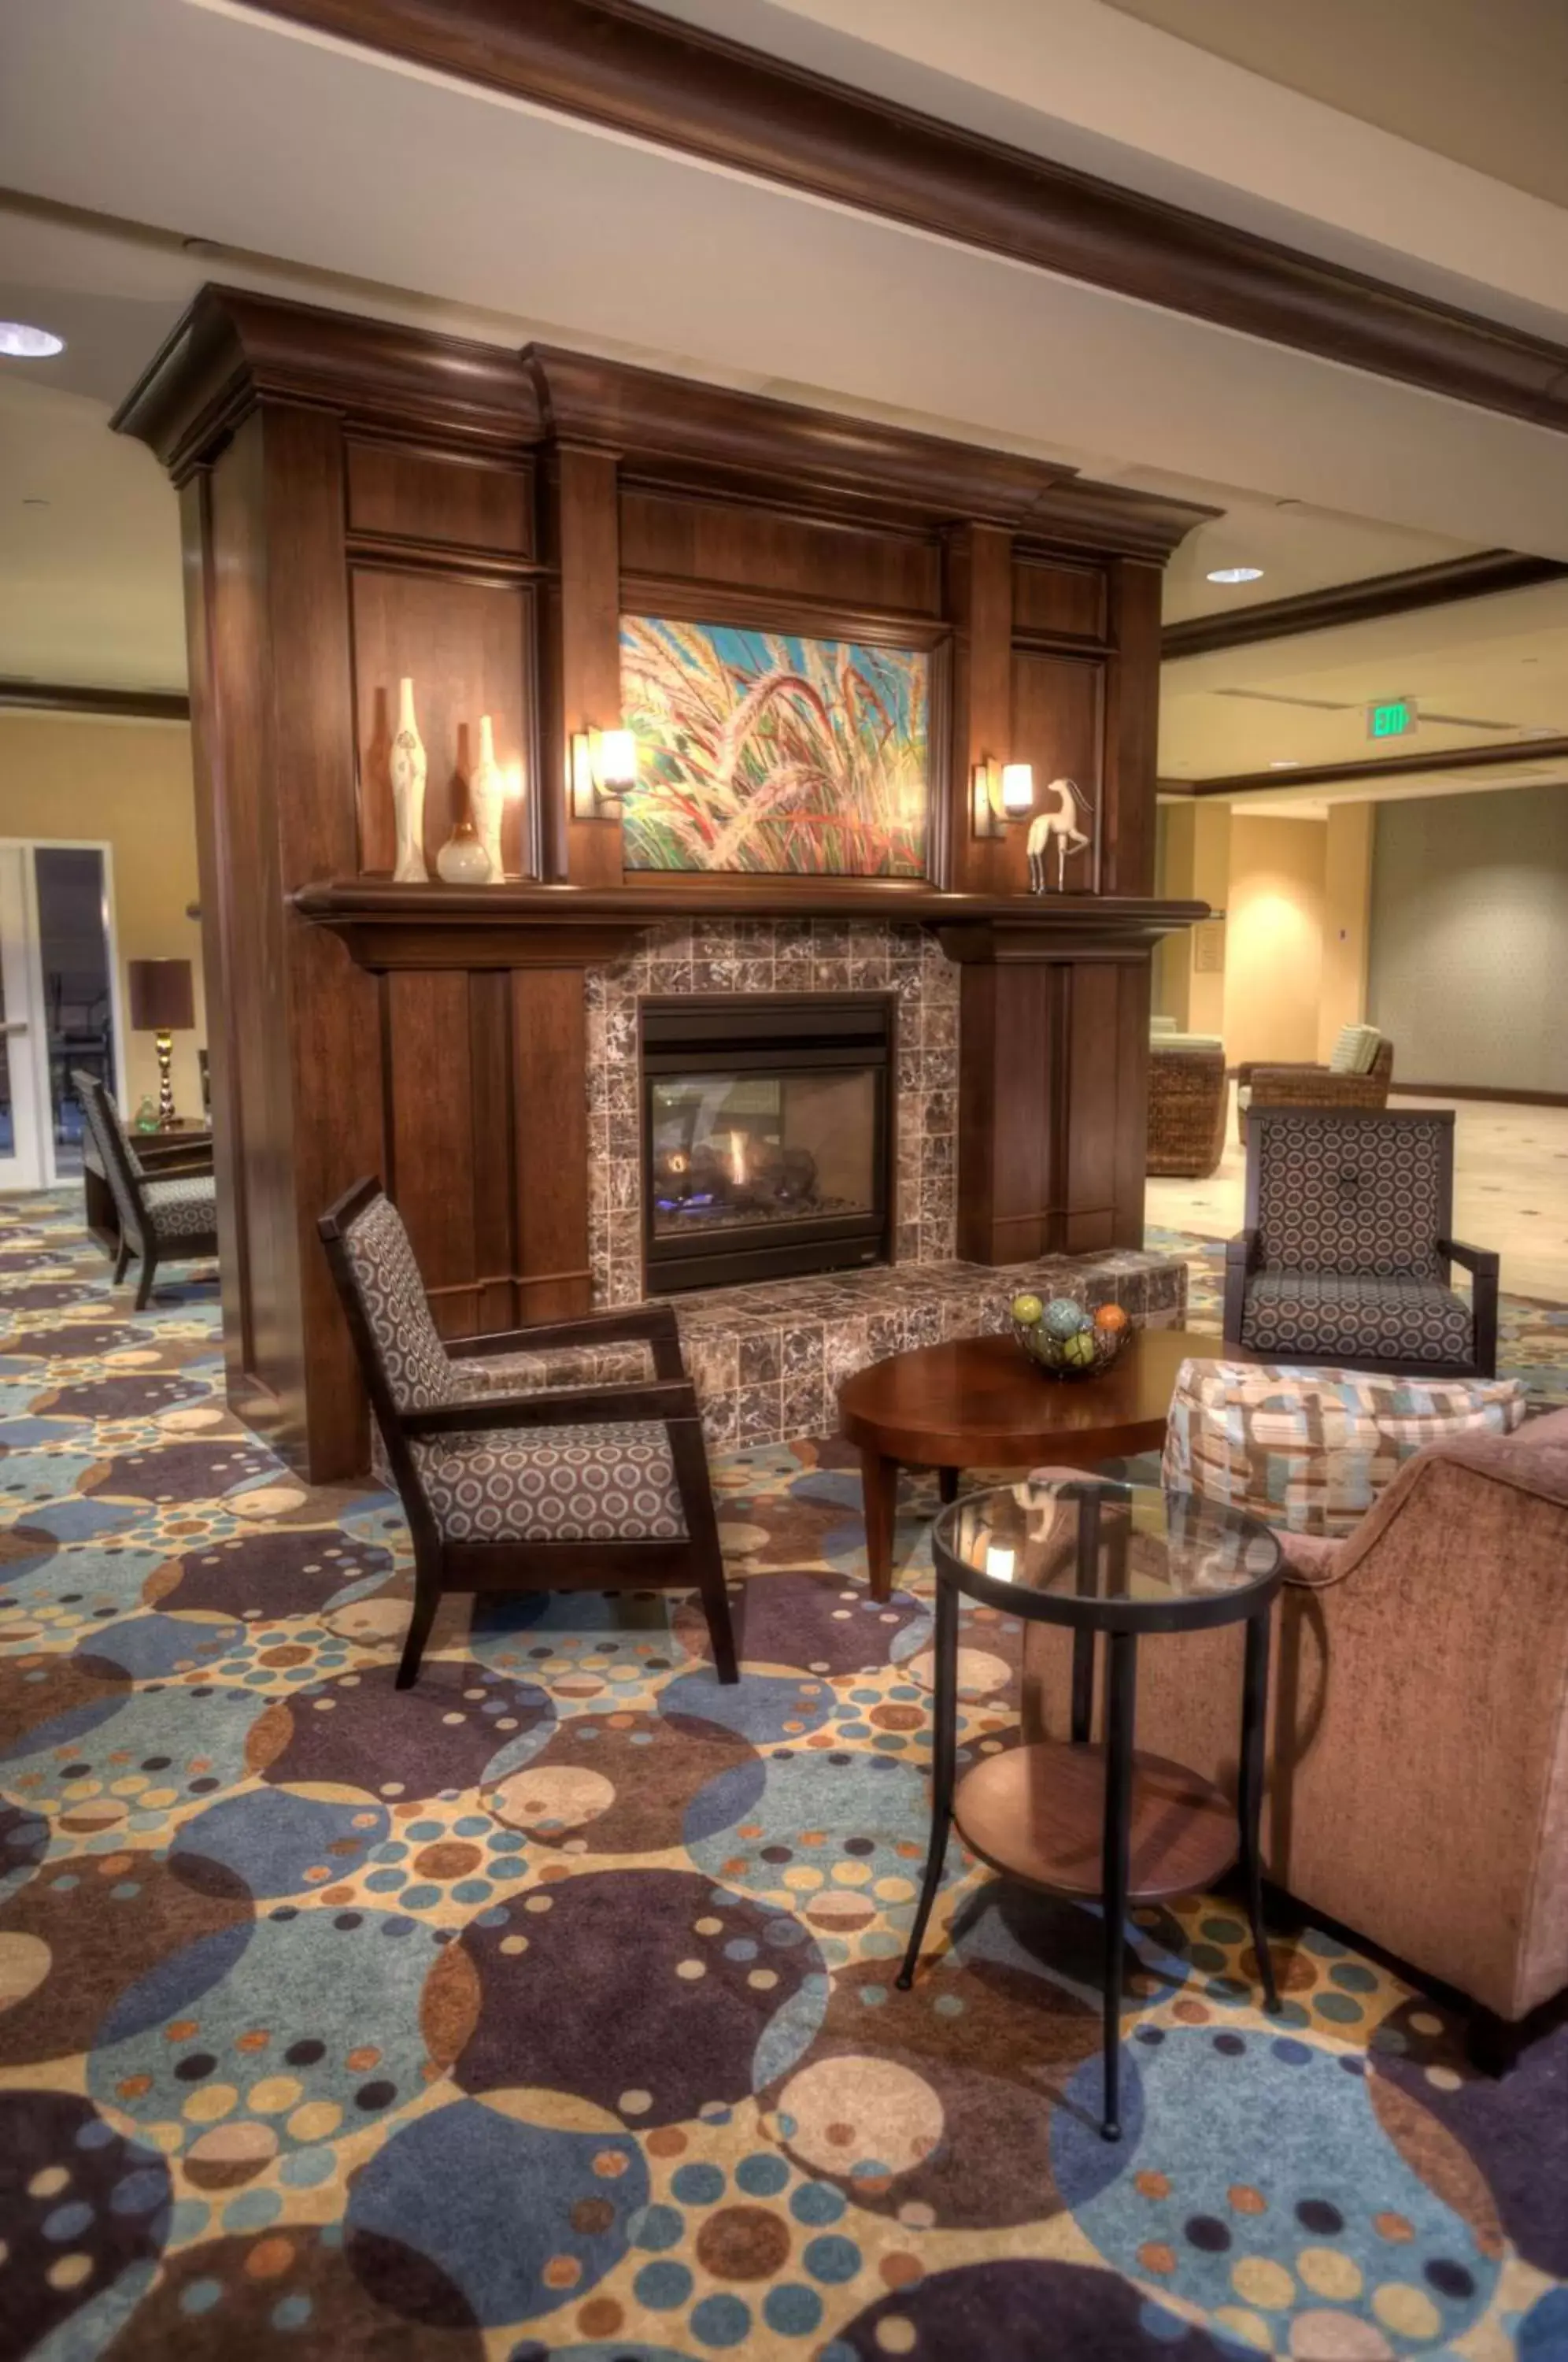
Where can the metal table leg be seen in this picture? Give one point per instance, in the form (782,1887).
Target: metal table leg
(943,1767)
(1121,1706)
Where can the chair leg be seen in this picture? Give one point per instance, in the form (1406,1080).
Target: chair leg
(1492,2044)
(690,1461)
(426,1599)
(144,1285)
(122,1263)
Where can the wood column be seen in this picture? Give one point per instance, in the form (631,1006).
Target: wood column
(1051,1106)
(291,1016)
(585,634)
(980,600)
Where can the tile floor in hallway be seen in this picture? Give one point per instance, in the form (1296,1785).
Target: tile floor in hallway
(1510,1190)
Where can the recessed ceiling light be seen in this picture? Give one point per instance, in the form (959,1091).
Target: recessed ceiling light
(1286,763)
(1236,573)
(21,342)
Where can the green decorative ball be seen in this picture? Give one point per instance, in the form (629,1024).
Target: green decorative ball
(1064,1319)
(1027,1309)
(1078,1350)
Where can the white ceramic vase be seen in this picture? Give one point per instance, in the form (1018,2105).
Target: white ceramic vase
(487,800)
(462,860)
(408,770)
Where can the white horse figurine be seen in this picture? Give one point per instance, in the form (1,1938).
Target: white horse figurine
(1058,821)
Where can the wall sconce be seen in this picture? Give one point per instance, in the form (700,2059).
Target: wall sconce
(604,768)
(1002,791)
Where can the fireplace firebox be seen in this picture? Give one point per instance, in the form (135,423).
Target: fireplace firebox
(765,1136)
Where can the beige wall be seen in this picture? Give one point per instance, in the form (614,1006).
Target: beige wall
(1193,864)
(1274,946)
(68,777)
(1470,939)
(1347,920)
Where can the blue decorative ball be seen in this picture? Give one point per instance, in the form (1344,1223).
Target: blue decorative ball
(1063,1318)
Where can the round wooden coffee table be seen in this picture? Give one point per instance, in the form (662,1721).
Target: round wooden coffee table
(978,1403)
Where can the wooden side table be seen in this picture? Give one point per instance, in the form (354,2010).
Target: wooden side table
(978,1402)
(1101,1822)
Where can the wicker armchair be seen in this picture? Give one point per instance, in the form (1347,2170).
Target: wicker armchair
(551,1458)
(1343,1082)
(1187,1105)
(163,1217)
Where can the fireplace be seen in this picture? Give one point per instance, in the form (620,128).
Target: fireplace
(765,1136)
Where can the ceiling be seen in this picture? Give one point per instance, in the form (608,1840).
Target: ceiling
(163,142)
(1487,86)
(1498,666)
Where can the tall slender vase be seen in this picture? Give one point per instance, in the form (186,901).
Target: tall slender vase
(408,770)
(487,800)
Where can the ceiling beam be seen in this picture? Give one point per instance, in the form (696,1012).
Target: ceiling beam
(632,70)
(1382,766)
(121,704)
(1367,601)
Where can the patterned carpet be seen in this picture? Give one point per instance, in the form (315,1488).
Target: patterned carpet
(548,2009)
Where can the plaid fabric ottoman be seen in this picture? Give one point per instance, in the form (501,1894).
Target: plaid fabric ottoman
(1309,1449)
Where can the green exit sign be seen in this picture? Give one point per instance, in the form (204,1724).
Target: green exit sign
(1394,718)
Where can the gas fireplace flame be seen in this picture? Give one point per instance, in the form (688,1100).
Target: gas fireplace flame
(737,1159)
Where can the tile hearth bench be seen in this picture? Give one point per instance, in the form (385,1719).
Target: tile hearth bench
(767,1360)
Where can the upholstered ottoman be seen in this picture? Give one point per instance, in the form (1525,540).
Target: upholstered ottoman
(1309,1449)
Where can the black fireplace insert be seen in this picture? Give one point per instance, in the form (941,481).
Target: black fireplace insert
(765,1136)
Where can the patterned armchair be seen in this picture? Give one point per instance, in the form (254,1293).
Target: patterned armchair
(163,1217)
(567,1456)
(1346,1254)
(1359,1071)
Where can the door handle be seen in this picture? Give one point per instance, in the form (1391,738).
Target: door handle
(14,1025)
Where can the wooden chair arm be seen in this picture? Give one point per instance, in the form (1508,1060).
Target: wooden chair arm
(652,1324)
(663,1401)
(177,1168)
(1483,1261)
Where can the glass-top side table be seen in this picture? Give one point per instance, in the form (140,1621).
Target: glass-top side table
(1101,1821)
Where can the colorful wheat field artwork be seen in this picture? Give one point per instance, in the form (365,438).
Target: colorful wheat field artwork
(768,752)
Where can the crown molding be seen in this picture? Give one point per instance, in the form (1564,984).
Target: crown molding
(633,70)
(1481,576)
(1383,767)
(233,350)
(120,704)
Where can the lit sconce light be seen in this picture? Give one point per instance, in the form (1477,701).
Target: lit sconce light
(1002,791)
(1001,1560)
(603,768)
(1017,790)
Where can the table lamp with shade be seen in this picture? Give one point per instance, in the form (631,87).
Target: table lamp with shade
(162,1002)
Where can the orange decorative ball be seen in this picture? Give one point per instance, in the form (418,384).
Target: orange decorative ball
(1110,1316)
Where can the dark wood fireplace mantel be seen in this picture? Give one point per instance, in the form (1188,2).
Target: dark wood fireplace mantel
(524,925)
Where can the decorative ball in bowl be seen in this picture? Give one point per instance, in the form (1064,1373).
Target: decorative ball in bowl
(1067,1339)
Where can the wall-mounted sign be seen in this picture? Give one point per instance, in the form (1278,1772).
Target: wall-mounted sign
(1394,718)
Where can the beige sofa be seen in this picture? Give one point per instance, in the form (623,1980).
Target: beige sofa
(1418,1784)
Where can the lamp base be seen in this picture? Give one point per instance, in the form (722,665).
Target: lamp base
(167,1119)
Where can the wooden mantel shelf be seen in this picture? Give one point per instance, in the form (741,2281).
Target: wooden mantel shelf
(388,926)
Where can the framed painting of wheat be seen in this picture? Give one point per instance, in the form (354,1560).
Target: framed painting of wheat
(775,753)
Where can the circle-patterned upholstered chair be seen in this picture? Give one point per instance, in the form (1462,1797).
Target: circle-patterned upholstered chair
(1346,1254)
(163,1217)
(567,1456)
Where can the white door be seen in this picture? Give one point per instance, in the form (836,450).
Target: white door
(24,1080)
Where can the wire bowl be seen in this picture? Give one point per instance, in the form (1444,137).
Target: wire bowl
(1066,1357)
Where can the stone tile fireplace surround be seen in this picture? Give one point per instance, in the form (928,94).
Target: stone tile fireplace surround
(768,1360)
